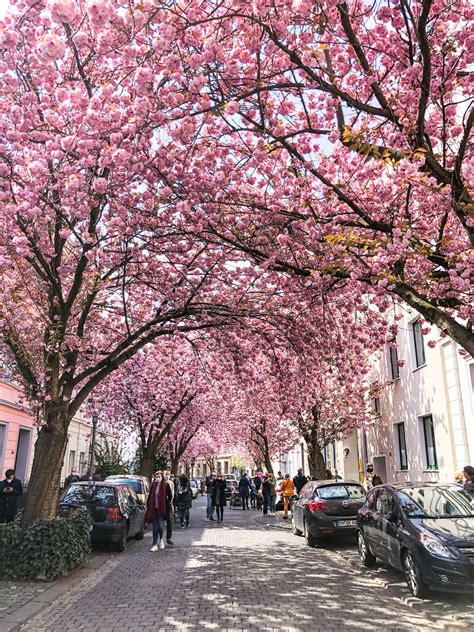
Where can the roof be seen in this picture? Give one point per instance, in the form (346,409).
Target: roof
(411,485)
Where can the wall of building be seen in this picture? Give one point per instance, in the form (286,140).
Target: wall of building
(17,432)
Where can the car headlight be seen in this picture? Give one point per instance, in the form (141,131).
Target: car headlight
(436,547)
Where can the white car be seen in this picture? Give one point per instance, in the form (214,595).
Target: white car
(194,488)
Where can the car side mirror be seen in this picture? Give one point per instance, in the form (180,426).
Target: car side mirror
(295,497)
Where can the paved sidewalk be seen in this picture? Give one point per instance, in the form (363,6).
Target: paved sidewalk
(241,575)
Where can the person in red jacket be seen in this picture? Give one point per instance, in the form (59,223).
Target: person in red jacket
(158,506)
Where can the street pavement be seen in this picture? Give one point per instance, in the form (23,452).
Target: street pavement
(250,573)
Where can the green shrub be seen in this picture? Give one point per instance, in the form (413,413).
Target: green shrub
(47,549)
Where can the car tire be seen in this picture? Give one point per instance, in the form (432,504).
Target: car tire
(122,543)
(415,584)
(141,534)
(366,556)
(294,530)
(308,537)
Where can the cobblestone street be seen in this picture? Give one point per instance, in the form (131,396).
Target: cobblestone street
(244,575)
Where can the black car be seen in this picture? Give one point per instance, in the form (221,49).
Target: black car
(425,530)
(116,511)
(326,508)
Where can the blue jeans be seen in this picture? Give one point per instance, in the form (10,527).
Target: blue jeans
(210,508)
(158,528)
(272,504)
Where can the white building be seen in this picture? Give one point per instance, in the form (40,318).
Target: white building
(423,425)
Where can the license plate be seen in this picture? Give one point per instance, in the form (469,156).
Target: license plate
(345,523)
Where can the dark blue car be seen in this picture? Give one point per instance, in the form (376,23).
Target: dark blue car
(425,530)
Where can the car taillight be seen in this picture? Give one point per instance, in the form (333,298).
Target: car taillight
(317,505)
(232,490)
(113,513)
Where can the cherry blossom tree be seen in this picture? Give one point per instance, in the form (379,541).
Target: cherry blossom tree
(92,269)
(345,142)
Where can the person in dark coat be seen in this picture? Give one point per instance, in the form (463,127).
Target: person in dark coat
(158,505)
(300,480)
(72,478)
(218,497)
(184,500)
(10,491)
(468,472)
(244,491)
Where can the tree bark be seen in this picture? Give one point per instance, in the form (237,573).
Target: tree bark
(317,467)
(174,465)
(147,462)
(45,480)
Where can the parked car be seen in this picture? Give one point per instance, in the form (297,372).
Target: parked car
(140,484)
(279,495)
(200,484)
(194,488)
(326,508)
(116,510)
(232,493)
(425,530)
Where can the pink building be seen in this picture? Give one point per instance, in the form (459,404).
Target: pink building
(17,432)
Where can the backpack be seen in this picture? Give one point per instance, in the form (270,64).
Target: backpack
(376,480)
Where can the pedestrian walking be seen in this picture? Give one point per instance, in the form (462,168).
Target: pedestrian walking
(72,478)
(209,487)
(244,491)
(169,478)
(184,500)
(269,494)
(10,491)
(468,472)
(158,506)
(253,494)
(288,489)
(218,497)
(372,479)
(300,480)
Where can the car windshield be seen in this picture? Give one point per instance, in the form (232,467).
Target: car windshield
(341,491)
(229,483)
(84,494)
(136,485)
(193,484)
(436,502)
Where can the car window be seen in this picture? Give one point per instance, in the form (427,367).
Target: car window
(307,490)
(341,492)
(384,503)
(82,494)
(371,496)
(450,501)
(136,485)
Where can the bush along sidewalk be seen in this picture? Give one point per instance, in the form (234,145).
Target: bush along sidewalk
(47,549)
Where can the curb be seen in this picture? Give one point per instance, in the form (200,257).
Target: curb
(285,527)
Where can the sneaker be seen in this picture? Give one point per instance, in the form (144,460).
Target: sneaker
(162,544)
(182,526)
(285,517)
(154,548)
(212,519)
(170,542)
(208,520)
(187,525)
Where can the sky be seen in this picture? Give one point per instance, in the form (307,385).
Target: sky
(3,7)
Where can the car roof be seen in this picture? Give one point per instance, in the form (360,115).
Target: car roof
(102,484)
(333,481)
(130,477)
(412,485)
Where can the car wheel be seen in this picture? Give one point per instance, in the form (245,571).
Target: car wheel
(415,584)
(366,557)
(141,534)
(294,530)
(309,539)
(122,543)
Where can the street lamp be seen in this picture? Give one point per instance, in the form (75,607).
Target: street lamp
(95,419)
(193,461)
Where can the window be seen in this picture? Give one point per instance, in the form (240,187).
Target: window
(402,447)
(384,503)
(3,443)
(376,405)
(341,491)
(393,360)
(82,463)
(430,443)
(72,459)
(418,344)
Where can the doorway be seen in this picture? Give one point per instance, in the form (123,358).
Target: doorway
(380,467)
(22,454)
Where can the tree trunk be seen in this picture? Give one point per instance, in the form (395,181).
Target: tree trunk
(174,465)
(317,467)
(147,462)
(41,499)
(268,463)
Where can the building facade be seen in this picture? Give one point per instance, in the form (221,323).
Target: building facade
(423,422)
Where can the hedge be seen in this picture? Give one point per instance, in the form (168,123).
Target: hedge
(47,549)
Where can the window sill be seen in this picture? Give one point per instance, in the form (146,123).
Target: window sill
(402,471)
(393,380)
(430,471)
(417,368)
